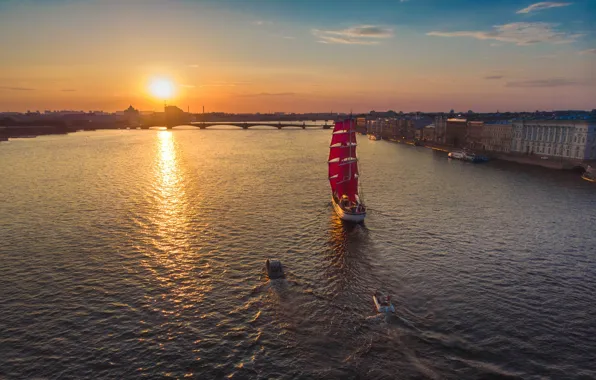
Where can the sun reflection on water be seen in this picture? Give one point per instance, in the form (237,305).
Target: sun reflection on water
(172,259)
(171,191)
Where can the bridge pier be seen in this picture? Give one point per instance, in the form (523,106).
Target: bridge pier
(202,126)
(279,127)
(244,127)
(326,126)
(303,127)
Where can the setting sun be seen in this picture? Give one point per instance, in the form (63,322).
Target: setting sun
(161,88)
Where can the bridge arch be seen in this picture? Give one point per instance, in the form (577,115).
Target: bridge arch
(261,125)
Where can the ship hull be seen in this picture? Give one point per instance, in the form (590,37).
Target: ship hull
(347,216)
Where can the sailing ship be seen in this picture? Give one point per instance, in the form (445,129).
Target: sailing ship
(343,173)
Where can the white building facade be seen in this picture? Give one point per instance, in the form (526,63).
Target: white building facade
(572,139)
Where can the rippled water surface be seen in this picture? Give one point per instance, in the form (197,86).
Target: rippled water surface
(140,254)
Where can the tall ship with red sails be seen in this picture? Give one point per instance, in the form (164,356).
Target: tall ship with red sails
(343,173)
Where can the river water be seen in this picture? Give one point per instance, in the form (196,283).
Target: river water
(140,254)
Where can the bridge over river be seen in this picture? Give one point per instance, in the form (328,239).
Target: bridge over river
(246,125)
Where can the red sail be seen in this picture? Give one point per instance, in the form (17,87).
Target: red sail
(343,165)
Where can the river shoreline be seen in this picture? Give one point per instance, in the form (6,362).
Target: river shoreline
(555,163)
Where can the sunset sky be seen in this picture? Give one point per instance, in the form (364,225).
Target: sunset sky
(298,56)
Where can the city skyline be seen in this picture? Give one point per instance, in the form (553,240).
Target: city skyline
(232,56)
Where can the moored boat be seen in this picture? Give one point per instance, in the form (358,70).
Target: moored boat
(343,173)
(466,156)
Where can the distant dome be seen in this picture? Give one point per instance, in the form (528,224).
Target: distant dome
(130,109)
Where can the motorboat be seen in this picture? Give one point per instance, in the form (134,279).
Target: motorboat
(589,175)
(383,303)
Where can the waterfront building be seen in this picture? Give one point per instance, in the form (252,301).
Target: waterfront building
(440,129)
(132,117)
(497,136)
(419,123)
(474,134)
(397,128)
(174,116)
(455,132)
(428,133)
(418,134)
(572,139)
(361,124)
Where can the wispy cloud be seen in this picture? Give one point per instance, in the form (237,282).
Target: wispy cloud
(68,90)
(289,37)
(493,77)
(588,51)
(187,85)
(542,5)
(16,88)
(357,35)
(550,82)
(193,66)
(224,84)
(519,33)
(261,94)
(261,22)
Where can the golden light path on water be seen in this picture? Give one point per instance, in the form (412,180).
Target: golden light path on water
(171,259)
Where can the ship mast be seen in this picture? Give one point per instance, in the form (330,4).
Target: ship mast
(350,144)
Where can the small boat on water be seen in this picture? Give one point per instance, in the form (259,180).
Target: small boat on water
(374,137)
(274,269)
(343,173)
(589,175)
(383,303)
(466,156)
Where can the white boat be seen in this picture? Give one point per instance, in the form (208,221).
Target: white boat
(374,137)
(383,303)
(459,155)
(466,156)
(589,175)
(343,173)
